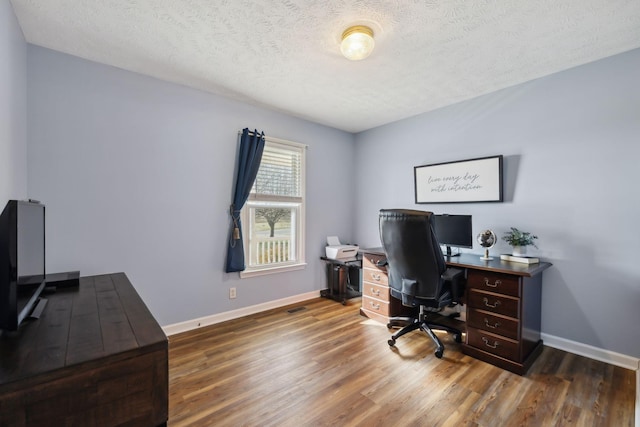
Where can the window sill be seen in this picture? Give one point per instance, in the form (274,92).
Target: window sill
(272,270)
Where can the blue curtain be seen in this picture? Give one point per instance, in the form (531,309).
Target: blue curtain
(251,148)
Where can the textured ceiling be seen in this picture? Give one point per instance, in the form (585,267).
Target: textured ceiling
(285,54)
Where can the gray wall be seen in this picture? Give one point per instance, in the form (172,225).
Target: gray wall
(137,175)
(13,107)
(571,143)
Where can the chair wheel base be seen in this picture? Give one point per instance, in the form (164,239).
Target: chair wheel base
(439,353)
(391,342)
(457,338)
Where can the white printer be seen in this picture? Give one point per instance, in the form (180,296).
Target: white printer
(335,250)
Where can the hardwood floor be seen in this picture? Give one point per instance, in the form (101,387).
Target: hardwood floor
(320,363)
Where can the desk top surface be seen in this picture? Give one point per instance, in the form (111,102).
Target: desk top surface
(473,261)
(104,316)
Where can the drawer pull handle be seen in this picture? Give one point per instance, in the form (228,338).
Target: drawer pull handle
(488,325)
(486,342)
(376,277)
(375,306)
(492,285)
(375,292)
(486,302)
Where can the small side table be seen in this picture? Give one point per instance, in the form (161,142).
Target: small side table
(343,279)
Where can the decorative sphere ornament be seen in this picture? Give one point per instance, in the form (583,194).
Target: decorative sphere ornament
(487,239)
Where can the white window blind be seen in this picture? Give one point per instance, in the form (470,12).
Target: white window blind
(280,173)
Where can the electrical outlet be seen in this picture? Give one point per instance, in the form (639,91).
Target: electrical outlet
(232,293)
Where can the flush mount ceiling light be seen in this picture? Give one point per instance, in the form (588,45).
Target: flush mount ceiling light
(357,42)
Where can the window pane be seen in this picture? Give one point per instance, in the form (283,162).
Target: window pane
(279,172)
(274,213)
(273,231)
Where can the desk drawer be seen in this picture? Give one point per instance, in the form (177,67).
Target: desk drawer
(494,282)
(370,261)
(494,344)
(491,322)
(378,277)
(375,305)
(375,291)
(495,303)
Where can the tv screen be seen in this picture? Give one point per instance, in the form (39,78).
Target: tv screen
(30,261)
(453,230)
(22,260)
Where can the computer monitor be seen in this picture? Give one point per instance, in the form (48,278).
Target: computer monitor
(453,230)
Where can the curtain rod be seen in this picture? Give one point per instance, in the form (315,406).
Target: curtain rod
(271,138)
(251,132)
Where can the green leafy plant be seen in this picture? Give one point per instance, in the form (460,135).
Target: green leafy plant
(516,237)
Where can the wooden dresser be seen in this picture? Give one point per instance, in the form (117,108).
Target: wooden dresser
(503,303)
(377,303)
(96,357)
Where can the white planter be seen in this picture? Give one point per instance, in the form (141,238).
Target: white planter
(519,251)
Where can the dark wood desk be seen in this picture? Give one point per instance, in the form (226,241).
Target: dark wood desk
(502,302)
(96,357)
(473,261)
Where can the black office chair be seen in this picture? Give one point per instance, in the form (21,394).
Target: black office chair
(417,272)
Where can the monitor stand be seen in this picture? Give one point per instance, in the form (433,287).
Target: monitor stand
(37,311)
(449,254)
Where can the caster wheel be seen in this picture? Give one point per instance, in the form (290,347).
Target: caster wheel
(439,353)
(391,342)
(457,338)
(344,302)
(389,326)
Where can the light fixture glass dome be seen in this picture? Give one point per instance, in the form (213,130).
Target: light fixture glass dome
(357,42)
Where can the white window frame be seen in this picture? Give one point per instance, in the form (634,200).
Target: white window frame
(252,201)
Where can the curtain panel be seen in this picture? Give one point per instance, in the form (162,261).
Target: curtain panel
(251,148)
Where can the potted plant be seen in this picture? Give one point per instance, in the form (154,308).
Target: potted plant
(519,240)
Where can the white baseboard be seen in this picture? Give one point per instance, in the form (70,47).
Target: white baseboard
(591,352)
(189,325)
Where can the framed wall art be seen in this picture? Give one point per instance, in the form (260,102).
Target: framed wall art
(462,181)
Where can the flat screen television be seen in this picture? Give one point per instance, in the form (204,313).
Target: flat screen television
(453,230)
(22,261)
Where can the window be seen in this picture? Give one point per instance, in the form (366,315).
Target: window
(273,216)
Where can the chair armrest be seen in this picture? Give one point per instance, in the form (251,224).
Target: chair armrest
(454,276)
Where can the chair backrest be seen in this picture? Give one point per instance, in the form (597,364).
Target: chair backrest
(412,251)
